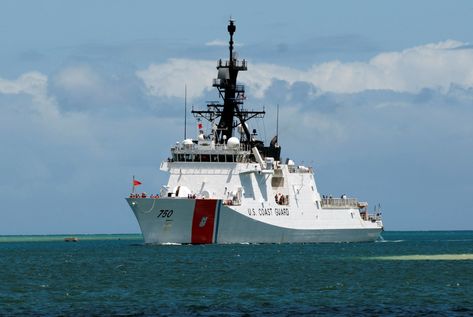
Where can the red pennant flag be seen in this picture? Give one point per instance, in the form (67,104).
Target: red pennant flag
(200,126)
(136,183)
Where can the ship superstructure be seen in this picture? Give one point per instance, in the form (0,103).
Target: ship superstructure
(228,187)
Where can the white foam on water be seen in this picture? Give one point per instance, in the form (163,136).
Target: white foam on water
(389,241)
(425,257)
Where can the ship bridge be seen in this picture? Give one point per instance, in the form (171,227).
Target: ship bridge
(205,151)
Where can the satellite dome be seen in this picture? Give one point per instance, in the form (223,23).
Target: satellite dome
(233,143)
(187,143)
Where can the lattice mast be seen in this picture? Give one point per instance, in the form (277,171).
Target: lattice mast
(231,112)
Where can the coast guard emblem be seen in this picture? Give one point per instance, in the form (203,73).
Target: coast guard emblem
(203,221)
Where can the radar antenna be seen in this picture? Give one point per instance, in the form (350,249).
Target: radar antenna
(231,113)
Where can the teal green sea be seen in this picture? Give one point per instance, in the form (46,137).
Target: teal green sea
(403,274)
(61,237)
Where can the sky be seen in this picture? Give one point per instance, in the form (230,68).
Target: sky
(377,96)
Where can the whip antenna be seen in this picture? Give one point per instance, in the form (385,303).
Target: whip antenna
(185,112)
(277,123)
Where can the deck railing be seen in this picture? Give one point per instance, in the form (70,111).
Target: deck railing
(197,148)
(299,169)
(329,202)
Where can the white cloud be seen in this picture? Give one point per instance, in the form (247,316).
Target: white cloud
(436,66)
(56,158)
(221,43)
(80,79)
(41,117)
(35,85)
(84,87)
(169,79)
(216,43)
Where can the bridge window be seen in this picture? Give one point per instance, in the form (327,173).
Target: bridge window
(221,158)
(229,158)
(214,158)
(240,158)
(189,157)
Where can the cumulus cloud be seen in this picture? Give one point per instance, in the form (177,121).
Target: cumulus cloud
(34,85)
(55,158)
(87,87)
(437,66)
(376,144)
(30,113)
(170,78)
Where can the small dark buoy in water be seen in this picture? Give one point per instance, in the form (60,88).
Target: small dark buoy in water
(71,239)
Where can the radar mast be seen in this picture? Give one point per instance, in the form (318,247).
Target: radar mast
(231,113)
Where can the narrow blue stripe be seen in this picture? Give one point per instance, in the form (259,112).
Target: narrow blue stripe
(217,220)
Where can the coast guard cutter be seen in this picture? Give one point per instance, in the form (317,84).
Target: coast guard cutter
(229,187)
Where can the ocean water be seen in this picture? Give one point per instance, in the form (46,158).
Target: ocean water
(404,274)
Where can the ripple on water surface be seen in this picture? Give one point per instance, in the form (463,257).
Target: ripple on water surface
(421,274)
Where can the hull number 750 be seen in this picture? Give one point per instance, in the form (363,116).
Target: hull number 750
(165,213)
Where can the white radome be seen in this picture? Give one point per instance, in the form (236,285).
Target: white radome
(233,143)
(187,143)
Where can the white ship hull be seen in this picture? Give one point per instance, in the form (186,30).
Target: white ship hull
(226,186)
(206,221)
